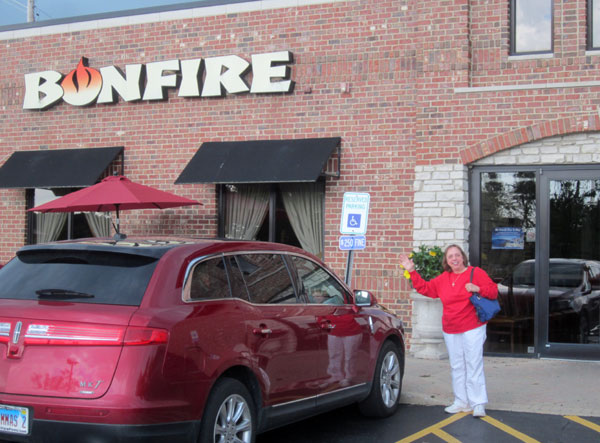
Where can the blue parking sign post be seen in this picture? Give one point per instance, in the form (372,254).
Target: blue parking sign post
(355,213)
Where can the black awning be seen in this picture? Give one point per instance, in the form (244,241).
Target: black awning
(260,161)
(58,168)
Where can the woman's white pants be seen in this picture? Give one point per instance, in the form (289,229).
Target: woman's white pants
(465,351)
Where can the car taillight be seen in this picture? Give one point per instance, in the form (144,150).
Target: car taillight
(145,336)
(92,335)
(4,332)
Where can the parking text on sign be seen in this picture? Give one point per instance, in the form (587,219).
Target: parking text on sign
(355,212)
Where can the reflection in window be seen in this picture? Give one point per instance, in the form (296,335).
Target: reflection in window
(574,217)
(507,201)
(318,285)
(236,279)
(508,205)
(209,281)
(267,278)
(524,274)
(593,24)
(574,308)
(531,26)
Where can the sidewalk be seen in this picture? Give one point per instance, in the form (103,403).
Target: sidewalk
(561,387)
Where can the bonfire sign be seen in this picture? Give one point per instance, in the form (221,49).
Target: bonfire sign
(208,77)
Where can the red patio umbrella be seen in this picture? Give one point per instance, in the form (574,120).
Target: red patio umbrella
(113,194)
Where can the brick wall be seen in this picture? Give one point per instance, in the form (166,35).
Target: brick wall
(408,85)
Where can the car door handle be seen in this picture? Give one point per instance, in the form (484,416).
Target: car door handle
(265,332)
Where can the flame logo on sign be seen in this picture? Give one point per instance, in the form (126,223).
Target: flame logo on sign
(82,85)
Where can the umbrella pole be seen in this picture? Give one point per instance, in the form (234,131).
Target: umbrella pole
(117,227)
(118,235)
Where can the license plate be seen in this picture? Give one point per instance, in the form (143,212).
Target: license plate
(14,419)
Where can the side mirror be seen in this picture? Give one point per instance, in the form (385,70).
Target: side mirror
(364,298)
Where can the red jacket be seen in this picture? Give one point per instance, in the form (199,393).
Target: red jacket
(458,312)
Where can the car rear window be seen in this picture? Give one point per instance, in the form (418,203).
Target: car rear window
(209,280)
(81,276)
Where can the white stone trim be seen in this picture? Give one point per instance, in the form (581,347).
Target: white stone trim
(441,213)
(581,148)
(501,88)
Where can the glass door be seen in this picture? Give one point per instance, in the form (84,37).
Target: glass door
(507,248)
(569,265)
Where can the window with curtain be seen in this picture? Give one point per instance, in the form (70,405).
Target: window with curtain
(303,203)
(289,213)
(53,226)
(531,26)
(245,209)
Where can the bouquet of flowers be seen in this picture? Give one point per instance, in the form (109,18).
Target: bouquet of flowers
(428,261)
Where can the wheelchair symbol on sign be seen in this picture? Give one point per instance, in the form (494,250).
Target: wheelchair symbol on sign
(353,220)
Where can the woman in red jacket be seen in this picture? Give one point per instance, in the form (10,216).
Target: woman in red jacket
(464,334)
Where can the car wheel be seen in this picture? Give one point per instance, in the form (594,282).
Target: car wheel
(230,414)
(387,384)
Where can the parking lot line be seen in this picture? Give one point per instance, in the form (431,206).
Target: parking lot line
(445,436)
(509,430)
(436,427)
(584,422)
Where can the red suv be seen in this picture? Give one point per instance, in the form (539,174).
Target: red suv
(184,340)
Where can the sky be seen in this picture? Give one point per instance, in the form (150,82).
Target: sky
(15,11)
(533,25)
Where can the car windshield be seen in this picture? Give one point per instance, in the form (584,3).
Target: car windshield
(82,276)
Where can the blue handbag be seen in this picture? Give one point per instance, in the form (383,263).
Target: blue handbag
(485,307)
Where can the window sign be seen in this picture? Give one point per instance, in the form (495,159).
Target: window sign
(508,238)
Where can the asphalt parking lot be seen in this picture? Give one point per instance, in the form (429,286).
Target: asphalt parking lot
(431,424)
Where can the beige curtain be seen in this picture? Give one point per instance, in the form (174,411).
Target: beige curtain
(245,210)
(303,203)
(49,225)
(99,223)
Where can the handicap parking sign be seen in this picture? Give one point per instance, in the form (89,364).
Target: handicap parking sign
(353,221)
(355,211)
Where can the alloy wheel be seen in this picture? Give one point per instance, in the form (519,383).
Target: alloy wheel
(390,379)
(234,421)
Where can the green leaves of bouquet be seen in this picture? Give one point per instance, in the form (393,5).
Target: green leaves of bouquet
(428,261)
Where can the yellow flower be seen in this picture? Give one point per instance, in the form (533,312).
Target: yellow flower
(432,253)
(407,275)
(411,255)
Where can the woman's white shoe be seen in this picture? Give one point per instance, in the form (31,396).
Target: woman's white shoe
(478,411)
(456,407)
